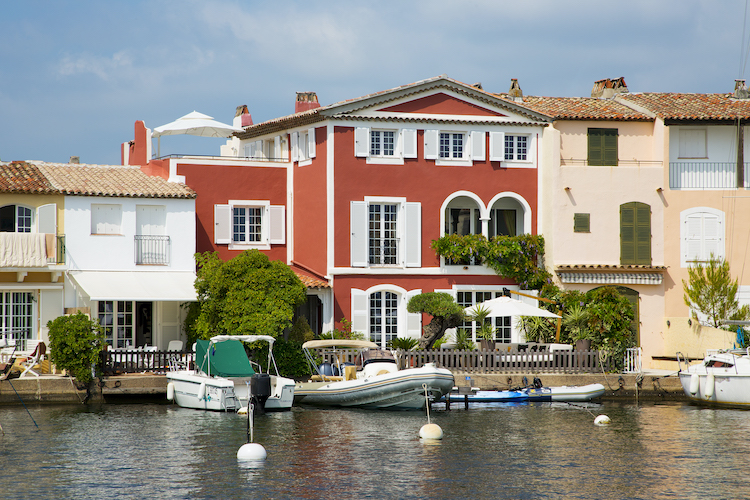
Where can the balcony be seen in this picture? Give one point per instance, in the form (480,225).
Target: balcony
(152,250)
(705,175)
(23,250)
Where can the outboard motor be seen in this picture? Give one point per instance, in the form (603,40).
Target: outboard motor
(260,387)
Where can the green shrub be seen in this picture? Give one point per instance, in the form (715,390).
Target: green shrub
(289,357)
(406,344)
(74,344)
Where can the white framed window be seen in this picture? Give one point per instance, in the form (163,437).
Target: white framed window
(701,235)
(502,324)
(385,232)
(17,316)
(106,219)
(454,148)
(516,147)
(303,146)
(244,224)
(16,219)
(383,314)
(383,143)
(385,146)
(118,322)
(451,145)
(380,313)
(692,143)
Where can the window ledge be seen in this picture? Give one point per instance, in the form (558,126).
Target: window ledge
(385,160)
(453,163)
(250,246)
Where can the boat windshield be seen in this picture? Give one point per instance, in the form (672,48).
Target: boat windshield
(376,355)
(713,363)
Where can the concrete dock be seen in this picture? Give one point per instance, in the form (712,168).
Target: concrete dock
(656,385)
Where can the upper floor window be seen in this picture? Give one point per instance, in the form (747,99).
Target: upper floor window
(303,145)
(452,145)
(385,232)
(635,234)
(602,146)
(701,235)
(16,219)
(516,147)
(106,219)
(503,222)
(692,143)
(382,143)
(247,224)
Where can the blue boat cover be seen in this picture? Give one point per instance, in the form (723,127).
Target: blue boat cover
(225,359)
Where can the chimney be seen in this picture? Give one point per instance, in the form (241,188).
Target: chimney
(515,90)
(607,88)
(242,117)
(740,90)
(306,101)
(75,159)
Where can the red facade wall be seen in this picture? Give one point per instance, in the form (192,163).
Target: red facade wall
(441,104)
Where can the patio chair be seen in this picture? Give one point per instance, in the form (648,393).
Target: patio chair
(36,357)
(174,345)
(5,368)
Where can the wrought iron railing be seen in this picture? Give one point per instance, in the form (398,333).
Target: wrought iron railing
(115,362)
(152,250)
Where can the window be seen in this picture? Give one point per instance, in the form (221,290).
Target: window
(106,219)
(516,147)
(16,219)
(386,232)
(116,319)
(503,222)
(303,146)
(451,146)
(581,223)
(383,317)
(502,324)
(701,234)
(462,221)
(382,143)
(244,224)
(692,143)
(635,234)
(602,150)
(16,316)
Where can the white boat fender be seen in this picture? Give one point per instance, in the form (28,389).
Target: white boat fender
(695,383)
(202,391)
(602,420)
(170,391)
(431,431)
(708,392)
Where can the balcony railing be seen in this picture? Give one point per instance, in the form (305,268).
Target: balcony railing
(58,254)
(152,250)
(31,249)
(705,175)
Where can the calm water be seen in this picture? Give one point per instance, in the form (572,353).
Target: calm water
(544,450)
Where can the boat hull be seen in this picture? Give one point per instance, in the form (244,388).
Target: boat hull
(729,389)
(568,394)
(403,389)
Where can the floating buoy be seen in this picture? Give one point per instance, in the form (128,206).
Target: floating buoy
(431,431)
(708,392)
(202,391)
(695,383)
(251,451)
(170,391)
(242,411)
(602,420)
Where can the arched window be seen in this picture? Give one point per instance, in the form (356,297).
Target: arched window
(16,219)
(701,235)
(383,317)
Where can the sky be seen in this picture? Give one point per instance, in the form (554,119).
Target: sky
(76,75)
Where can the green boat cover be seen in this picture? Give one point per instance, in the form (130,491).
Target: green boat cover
(226,359)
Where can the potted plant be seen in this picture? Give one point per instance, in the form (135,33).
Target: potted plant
(576,320)
(485,330)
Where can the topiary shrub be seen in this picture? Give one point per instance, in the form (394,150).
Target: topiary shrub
(75,343)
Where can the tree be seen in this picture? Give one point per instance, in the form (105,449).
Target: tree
(248,294)
(444,311)
(74,344)
(711,291)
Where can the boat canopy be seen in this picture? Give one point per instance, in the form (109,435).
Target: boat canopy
(343,343)
(243,338)
(225,359)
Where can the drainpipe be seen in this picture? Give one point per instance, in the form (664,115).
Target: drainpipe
(740,154)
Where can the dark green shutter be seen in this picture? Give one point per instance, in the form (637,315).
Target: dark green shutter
(635,234)
(581,223)
(602,146)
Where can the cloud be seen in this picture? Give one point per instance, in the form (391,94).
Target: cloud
(103,67)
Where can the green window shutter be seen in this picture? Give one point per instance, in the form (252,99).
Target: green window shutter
(602,146)
(581,223)
(635,234)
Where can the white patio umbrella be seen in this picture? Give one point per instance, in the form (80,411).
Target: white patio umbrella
(505,306)
(195,123)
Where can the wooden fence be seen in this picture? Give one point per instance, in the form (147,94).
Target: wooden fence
(115,362)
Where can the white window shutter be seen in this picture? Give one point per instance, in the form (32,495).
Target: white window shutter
(413,234)
(413,320)
(311,143)
(430,144)
(497,146)
(361,141)
(277,225)
(258,149)
(295,147)
(410,142)
(222,224)
(46,217)
(713,241)
(360,315)
(359,241)
(477,145)
(277,147)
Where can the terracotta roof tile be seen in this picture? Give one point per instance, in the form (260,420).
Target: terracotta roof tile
(691,106)
(22,177)
(311,282)
(110,180)
(580,108)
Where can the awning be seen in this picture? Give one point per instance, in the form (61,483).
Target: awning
(137,285)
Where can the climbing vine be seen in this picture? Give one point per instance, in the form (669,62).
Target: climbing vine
(516,257)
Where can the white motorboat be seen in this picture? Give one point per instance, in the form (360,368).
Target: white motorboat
(568,394)
(223,375)
(722,378)
(372,381)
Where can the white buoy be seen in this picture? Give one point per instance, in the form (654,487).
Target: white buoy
(708,392)
(170,391)
(242,411)
(695,383)
(251,451)
(602,420)
(429,430)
